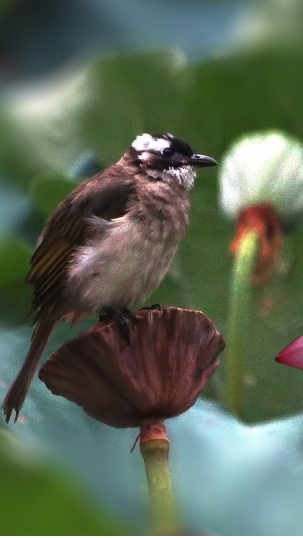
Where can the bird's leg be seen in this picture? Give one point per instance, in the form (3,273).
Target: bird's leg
(129,315)
(122,317)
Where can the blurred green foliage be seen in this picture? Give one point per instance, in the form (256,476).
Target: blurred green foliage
(36,500)
(48,190)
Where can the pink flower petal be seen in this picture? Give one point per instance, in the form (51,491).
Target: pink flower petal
(292,355)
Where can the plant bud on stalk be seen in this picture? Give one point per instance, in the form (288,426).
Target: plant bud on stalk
(261,185)
(159,375)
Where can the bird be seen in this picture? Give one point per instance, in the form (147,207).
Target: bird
(109,244)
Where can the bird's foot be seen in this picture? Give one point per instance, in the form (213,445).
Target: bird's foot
(155,306)
(122,318)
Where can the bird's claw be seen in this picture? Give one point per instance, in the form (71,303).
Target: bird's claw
(122,318)
(155,306)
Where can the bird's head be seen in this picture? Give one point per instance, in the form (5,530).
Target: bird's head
(166,158)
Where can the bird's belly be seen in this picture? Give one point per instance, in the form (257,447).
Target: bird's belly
(119,271)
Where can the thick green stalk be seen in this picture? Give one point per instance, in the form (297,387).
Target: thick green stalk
(239,314)
(155,454)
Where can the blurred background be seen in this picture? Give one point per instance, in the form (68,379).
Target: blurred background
(79,79)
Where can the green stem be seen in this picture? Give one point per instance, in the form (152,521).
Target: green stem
(155,454)
(239,313)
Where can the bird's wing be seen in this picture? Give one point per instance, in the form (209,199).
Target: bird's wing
(102,196)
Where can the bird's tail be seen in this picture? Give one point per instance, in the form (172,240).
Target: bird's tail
(18,390)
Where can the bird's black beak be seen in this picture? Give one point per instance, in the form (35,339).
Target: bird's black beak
(202,160)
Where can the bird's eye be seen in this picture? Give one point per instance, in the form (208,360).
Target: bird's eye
(167,152)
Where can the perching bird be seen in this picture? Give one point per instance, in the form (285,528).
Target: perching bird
(109,244)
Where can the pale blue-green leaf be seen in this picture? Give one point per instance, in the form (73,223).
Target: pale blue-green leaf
(224,473)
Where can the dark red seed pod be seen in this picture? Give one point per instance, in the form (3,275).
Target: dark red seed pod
(159,375)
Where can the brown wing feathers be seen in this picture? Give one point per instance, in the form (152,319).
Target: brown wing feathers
(65,231)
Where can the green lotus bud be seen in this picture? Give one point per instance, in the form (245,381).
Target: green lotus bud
(263,167)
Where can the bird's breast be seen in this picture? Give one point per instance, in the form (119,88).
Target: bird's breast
(122,267)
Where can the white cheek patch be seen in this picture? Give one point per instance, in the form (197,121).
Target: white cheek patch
(185,175)
(147,142)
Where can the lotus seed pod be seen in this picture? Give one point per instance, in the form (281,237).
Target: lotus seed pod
(263,167)
(160,374)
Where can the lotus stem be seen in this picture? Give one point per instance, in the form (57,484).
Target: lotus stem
(239,314)
(154,447)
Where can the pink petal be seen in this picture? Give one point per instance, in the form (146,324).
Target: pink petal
(292,355)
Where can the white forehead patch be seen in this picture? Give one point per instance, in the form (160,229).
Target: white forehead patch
(147,142)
